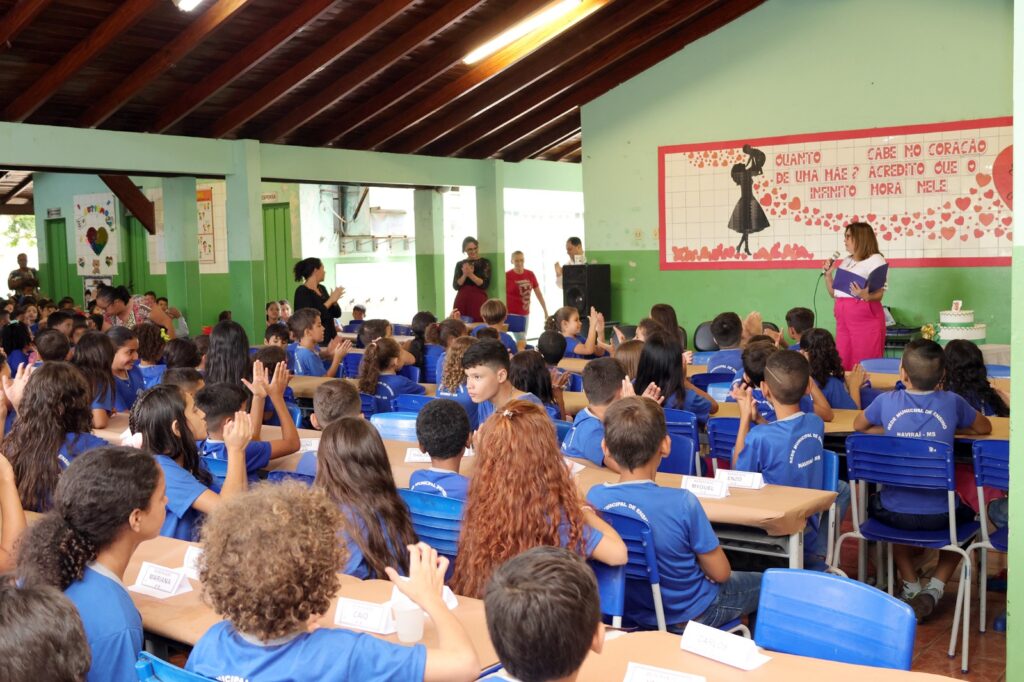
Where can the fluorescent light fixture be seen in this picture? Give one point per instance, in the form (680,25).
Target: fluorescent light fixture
(186,5)
(524,27)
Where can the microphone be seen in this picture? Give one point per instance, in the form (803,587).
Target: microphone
(830,262)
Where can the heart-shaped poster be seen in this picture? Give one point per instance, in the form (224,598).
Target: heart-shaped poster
(1002,175)
(97,239)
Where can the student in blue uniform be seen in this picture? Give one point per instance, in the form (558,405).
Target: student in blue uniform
(106,504)
(128,379)
(442,429)
(727,330)
(529,373)
(798,321)
(921,410)
(967,376)
(53,427)
(279,543)
(94,357)
(277,334)
(697,582)
(566,321)
(662,363)
(272,356)
(151,353)
(378,374)
(309,359)
(169,424)
(448,331)
(602,384)
(451,379)
(52,346)
(354,471)
(16,341)
(494,314)
(755,355)
(842,391)
(486,365)
(333,400)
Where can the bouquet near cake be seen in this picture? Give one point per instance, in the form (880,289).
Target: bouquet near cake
(955,323)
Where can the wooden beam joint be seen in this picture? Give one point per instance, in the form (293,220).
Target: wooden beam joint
(133,199)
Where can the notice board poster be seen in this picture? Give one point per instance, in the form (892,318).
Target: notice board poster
(936,194)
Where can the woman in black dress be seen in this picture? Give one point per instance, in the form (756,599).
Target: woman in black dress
(312,294)
(472,277)
(748,216)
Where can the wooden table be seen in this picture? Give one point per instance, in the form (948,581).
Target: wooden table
(661,649)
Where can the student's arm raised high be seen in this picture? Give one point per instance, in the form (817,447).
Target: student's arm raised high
(289,440)
(237,434)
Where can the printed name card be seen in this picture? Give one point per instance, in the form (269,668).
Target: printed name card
(574,467)
(309,444)
(749,480)
(365,615)
(638,672)
(721,646)
(414,456)
(191,563)
(160,582)
(706,487)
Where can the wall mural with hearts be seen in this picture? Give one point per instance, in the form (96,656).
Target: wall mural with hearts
(96,234)
(937,195)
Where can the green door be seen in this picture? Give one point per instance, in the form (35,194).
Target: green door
(277,249)
(134,269)
(56,273)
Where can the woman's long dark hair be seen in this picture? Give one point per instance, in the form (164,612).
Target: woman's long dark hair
(306,267)
(822,355)
(94,500)
(528,372)
(661,361)
(94,356)
(56,403)
(354,471)
(153,415)
(421,321)
(967,376)
(228,358)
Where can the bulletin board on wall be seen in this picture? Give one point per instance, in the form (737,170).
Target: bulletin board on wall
(937,194)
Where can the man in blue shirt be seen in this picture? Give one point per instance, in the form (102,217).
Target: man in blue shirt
(442,429)
(921,411)
(486,364)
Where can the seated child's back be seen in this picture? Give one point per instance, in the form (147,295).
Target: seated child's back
(442,429)
(602,384)
(333,400)
(727,330)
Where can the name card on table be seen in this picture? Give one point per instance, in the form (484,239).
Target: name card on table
(415,456)
(750,480)
(574,467)
(721,646)
(705,487)
(160,582)
(309,444)
(191,563)
(365,615)
(638,672)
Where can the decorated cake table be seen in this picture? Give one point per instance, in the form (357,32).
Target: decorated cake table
(955,324)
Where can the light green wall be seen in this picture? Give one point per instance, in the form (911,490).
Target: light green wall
(1015,592)
(792,66)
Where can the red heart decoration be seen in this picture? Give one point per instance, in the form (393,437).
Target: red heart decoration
(963,202)
(816,211)
(931,236)
(931,211)
(766,200)
(964,237)
(898,229)
(946,217)
(982,179)
(1002,174)
(1007,220)
(910,233)
(988,194)
(973,190)
(828,215)
(946,205)
(917,215)
(959,221)
(794,204)
(986,219)
(977,208)
(929,224)
(887,237)
(1000,231)
(978,234)
(871,217)
(905,220)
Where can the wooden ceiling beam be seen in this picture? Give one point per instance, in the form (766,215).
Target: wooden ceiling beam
(550,59)
(17,189)
(19,18)
(343,41)
(582,67)
(3,174)
(164,59)
(449,13)
(427,72)
(545,138)
(18,209)
(124,17)
(478,74)
(569,154)
(251,55)
(133,199)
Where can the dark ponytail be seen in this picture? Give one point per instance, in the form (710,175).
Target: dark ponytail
(377,357)
(306,267)
(554,322)
(153,415)
(111,294)
(421,323)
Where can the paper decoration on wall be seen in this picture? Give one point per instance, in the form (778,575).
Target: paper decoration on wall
(207,239)
(937,195)
(96,234)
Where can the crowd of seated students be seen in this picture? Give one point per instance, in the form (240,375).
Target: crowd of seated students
(526,527)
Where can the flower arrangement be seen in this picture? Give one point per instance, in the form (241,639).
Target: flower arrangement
(929,332)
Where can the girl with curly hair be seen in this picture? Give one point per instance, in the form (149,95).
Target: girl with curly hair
(353,470)
(94,357)
(279,542)
(106,504)
(841,391)
(151,353)
(447,331)
(967,376)
(378,374)
(452,378)
(523,496)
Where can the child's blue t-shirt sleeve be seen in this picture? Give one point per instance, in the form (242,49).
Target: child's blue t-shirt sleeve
(307,464)
(257,455)
(873,412)
(182,489)
(807,404)
(509,343)
(114,656)
(702,535)
(697,404)
(591,537)
(104,402)
(410,387)
(584,440)
(749,458)
(965,412)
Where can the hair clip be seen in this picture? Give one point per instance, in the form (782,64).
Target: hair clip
(507,413)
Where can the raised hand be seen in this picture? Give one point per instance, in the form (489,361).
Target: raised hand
(14,388)
(279,383)
(744,396)
(426,575)
(237,432)
(341,347)
(260,384)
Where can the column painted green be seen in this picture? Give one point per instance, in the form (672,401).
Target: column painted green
(430,275)
(181,248)
(245,238)
(490,225)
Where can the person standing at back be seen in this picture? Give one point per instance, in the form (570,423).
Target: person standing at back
(520,284)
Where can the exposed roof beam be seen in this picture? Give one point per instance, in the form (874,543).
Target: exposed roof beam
(545,138)
(251,55)
(123,18)
(346,39)
(133,199)
(164,59)
(348,82)
(18,209)
(19,18)
(3,174)
(17,189)
(571,153)
(427,72)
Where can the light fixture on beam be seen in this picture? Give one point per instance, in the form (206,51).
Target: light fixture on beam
(526,26)
(187,5)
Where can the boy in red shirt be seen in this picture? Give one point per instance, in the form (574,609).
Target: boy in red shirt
(519,283)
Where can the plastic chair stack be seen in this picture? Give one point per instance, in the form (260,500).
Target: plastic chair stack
(991,470)
(350,364)
(410,372)
(681,459)
(437,520)
(715,384)
(722,432)
(408,402)
(683,423)
(516,324)
(395,425)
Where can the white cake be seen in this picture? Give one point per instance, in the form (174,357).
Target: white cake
(959,324)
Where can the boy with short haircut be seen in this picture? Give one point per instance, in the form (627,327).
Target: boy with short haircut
(921,410)
(61,320)
(442,429)
(486,364)
(494,313)
(602,384)
(308,330)
(270,356)
(544,614)
(697,582)
(798,320)
(755,356)
(727,330)
(53,346)
(358,313)
(188,379)
(277,334)
(333,400)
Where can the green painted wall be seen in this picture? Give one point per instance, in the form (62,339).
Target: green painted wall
(792,66)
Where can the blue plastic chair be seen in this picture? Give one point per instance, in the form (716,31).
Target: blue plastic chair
(830,482)
(681,459)
(913,463)
(350,364)
(149,668)
(722,432)
(702,357)
(516,323)
(367,405)
(395,425)
(992,470)
(431,353)
(881,365)
(437,520)
(814,614)
(410,372)
(278,476)
(401,330)
(998,371)
(575,383)
(703,340)
(352,327)
(553,412)
(715,384)
(642,563)
(683,423)
(562,429)
(294,410)
(611,588)
(408,402)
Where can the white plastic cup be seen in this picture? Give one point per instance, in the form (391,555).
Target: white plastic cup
(409,622)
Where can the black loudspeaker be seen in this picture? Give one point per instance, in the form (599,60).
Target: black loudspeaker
(584,286)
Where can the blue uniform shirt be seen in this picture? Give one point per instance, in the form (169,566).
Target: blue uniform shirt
(257,454)
(486,409)
(693,402)
(439,482)
(787,451)
(105,400)
(112,624)
(570,346)
(764,406)
(289,354)
(128,389)
(728,360)
(152,375)
(681,531)
(75,444)
(270,412)
(182,491)
(461,396)
(324,654)
(934,415)
(308,363)
(584,438)
(836,394)
(17,357)
(307,464)
(390,386)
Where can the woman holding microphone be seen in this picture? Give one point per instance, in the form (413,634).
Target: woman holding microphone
(857,283)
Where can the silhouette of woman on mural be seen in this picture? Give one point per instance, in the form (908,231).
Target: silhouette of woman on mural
(748,216)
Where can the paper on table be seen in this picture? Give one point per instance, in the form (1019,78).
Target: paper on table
(705,487)
(399,599)
(739,652)
(365,615)
(574,467)
(309,444)
(417,456)
(191,563)
(750,480)
(160,582)
(638,672)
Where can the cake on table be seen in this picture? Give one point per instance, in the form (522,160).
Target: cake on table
(957,323)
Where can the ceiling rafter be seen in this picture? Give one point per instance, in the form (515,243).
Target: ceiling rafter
(343,41)
(254,53)
(165,58)
(570,153)
(17,189)
(123,18)
(18,19)
(545,138)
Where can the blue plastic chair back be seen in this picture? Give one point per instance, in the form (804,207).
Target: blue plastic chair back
(395,425)
(149,668)
(881,365)
(367,405)
(408,402)
(611,587)
(722,432)
(575,383)
(907,462)
(682,423)
(516,323)
(431,353)
(715,384)
(830,471)
(562,429)
(350,364)
(218,469)
(809,613)
(401,330)
(410,372)
(998,371)
(643,562)
(992,463)
(553,412)
(437,520)
(278,476)
(681,458)
(352,327)
(703,339)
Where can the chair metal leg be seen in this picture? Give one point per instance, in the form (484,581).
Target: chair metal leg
(862,560)
(966,577)
(741,630)
(983,589)
(879,565)
(888,567)
(957,616)
(659,609)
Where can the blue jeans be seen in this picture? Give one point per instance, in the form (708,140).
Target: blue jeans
(820,546)
(737,596)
